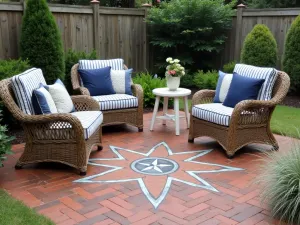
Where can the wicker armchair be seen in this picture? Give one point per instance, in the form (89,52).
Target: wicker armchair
(132,116)
(249,123)
(55,137)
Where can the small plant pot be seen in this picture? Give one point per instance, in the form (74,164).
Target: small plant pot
(173,83)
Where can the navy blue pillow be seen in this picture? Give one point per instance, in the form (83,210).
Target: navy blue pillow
(242,88)
(97,81)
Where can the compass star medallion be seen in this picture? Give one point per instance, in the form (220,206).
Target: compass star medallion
(155,170)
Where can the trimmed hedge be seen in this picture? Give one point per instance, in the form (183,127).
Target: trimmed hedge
(291,64)
(41,42)
(260,47)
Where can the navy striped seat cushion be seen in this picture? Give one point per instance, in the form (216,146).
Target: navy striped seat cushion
(23,86)
(214,112)
(267,74)
(116,101)
(90,121)
(115,64)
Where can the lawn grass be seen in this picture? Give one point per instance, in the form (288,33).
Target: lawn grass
(285,120)
(14,212)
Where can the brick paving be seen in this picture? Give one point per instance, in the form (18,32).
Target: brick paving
(50,190)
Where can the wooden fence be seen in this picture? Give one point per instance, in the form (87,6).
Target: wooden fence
(278,21)
(119,32)
(113,32)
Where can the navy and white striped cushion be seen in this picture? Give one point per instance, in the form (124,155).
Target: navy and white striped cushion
(23,86)
(116,101)
(268,74)
(213,112)
(90,121)
(115,64)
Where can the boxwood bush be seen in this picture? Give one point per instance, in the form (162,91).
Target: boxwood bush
(291,58)
(4,142)
(206,80)
(260,47)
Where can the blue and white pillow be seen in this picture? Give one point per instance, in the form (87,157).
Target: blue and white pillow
(61,97)
(121,81)
(23,86)
(97,81)
(115,64)
(42,101)
(223,85)
(268,74)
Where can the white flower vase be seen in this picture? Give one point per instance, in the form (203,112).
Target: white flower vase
(173,83)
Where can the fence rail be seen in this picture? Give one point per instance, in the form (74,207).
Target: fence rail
(122,32)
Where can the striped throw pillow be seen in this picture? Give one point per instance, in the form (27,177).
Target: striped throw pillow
(267,74)
(223,85)
(23,86)
(115,64)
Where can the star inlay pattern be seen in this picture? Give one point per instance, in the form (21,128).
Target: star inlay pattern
(156,170)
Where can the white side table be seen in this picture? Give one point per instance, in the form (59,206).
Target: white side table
(166,94)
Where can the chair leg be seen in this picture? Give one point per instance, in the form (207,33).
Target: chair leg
(230,156)
(191,140)
(99,148)
(18,167)
(141,129)
(82,173)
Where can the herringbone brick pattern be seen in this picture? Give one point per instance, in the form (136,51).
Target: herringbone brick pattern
(50,190)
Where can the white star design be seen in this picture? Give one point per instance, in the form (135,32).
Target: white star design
(188,171)
(154,165)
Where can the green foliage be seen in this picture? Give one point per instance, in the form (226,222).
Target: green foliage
(9,68)
(273,3)
(279,179)
(149,83)
(4,143)
(187,81)
(41,42)
(291,58)
(14,212)
(71,58)
(206,80)
(71,2)
(191,30)
(229,67)
(260,47)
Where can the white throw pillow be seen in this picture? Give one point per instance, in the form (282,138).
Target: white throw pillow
(61,97)
(121,81)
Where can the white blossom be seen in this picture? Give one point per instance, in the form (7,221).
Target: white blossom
(176,60)
(169,59)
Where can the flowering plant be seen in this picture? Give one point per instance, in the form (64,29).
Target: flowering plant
(174,69)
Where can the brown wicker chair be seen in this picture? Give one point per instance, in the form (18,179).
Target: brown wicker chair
(250,120)
(54,137)
(132,116)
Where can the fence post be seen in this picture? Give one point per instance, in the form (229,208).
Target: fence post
(96,18)
(146,7)
(23,2)
(238,29)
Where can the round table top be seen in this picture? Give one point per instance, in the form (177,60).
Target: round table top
(165,92)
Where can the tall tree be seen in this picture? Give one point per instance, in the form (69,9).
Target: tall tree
(41,42)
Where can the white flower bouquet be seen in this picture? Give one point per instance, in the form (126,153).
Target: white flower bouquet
(174,69)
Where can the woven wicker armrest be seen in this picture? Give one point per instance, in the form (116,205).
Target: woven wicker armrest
(203,96)
(252,112)
(85,103)
(82,91)
(137,91)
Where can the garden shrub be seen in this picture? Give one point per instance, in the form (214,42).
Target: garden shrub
(71,58)
(291,56)
(4,143)
(206,80)
(191,30)
(9,68)
(148,82)
(41,42)
(260,47)
(279,179)
(187,81)
(272,3)
(229,67)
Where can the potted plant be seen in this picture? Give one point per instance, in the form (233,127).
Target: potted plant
(174,72)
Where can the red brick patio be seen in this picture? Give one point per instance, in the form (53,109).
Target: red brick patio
(50,190)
